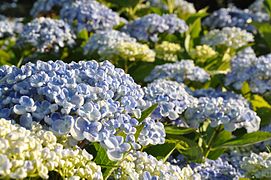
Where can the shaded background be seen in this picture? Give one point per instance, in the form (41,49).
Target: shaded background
(22,8)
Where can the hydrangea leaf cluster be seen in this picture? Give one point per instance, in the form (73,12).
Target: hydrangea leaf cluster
(257,165)
(9,27)
(179,71)
(216,169)
(231,37)
(46,34)
(26,153)
(89,100)
(246,67)
(223,108)
(90,15)
(232,17)
(43,6)
(149,27)
(140,165)
(203,52)
(167,51)
(112,44)
(172,98)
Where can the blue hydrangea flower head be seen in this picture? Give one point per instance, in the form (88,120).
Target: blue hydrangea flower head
(172,98)
(9,27)
(231,37)
(246,67)
(149,27)
(90,14)
(43,6)
(179,71)
(232,17)
(217,169)
(45,34)
(222,108)
(86,100)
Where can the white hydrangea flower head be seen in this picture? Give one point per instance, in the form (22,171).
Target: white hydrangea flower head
(26,153)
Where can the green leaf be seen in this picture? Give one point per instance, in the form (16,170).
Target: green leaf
(215,154)
(187,147)
(267,5)
(146,113)
(124,3)
(161,151)
(83,34)
(199,15)
(265,31)
(102,159)
(187,42)
(247,139)
(178,130)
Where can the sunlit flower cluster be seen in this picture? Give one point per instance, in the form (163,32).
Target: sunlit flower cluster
(182,71)
(231,37)
(9,27)
(167,51)
(172,98)
(257,165)
(228,110)
(26,153)
(140,165)
(203,52)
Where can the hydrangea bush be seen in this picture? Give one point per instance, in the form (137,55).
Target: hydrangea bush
(173,92)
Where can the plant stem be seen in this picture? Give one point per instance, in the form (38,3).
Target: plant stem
(212,140)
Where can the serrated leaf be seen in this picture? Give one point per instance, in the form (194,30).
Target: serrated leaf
(247,139)
(178,130)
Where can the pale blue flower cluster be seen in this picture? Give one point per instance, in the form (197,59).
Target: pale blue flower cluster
(9,27)
(46,34)
(230,37)
(246,67)
(172,98)
(42,6)
(232,17)
(149,27)
(217,169)
(233,113)
(88,100)
(103,41)
(215,93)
(90,14)
(179,71)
